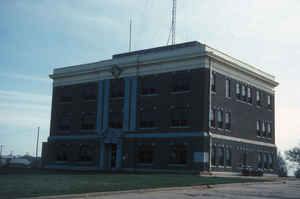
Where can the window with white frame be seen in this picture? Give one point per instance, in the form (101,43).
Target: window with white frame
(213,82)
(249,95)
(228,157)
(243,92)
(263,128)
(227,120)
(258,102)
(238,91)
(212,117)
(269,102)
(269,129)
(227,88)
(258,128)
(220,119)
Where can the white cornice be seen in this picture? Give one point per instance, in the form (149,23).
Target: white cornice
(164,60)
(241,140)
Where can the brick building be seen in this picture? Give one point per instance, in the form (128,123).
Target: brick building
(185,107)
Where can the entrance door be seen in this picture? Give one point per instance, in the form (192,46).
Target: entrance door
(110,156)
(113,155)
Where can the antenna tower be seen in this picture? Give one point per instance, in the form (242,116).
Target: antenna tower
(174,21)
(173,24)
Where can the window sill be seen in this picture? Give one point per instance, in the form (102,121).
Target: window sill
(149,95)
(88,131)
(116,98)
(177,165)
(179,127)
(60,162)
(85,162)
(90,100)
(149,128)
(65,102)
(180,92)
(64,131)
(144,164)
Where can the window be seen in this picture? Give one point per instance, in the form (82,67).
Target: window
(212,118)
(221,156)
(66,94)
(258,128)
(269,130)
(179,117)
(263,128)
(178,154)
(243,92)
(227,88)
(269,102)
(149,86)
(220,119)
(181,82)
(116,120)
(266,161)
(259,160)
(270,161)
(149,119)
(61,153)
(258,102)
(228,120)
(88,120)
(144,153)
(249,95)
(228,157)
(117,88)
(89,93)
(213,156)
(65,122)
(213,82)
(244,158)
(238,91)
(85,153)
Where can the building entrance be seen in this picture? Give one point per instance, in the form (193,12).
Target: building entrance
(111,155)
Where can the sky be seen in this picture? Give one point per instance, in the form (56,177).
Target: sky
(38,36)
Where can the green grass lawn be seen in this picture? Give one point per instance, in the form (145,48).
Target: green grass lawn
(42,184)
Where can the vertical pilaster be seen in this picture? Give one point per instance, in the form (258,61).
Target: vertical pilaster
(133,103)
(100,107)
(119,154)
(106,103)
(101,154)
(126,105)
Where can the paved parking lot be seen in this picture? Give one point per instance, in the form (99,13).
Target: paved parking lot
(286,189)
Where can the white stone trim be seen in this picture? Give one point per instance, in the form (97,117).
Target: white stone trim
(166,60)
(224,137)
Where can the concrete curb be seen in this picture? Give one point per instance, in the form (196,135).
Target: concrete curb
(140,191)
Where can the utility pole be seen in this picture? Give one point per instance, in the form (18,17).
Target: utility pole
(1,147)
(37,143)
(130,32)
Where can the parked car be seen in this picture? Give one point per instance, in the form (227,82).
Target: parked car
(250,171)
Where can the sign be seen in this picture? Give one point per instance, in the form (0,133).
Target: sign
(201,157)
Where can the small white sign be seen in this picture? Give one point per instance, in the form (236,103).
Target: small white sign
(200,157)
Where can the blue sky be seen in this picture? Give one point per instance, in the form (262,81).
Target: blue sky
(37,36)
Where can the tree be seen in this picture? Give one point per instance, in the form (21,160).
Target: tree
(281,166)
(293,155)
